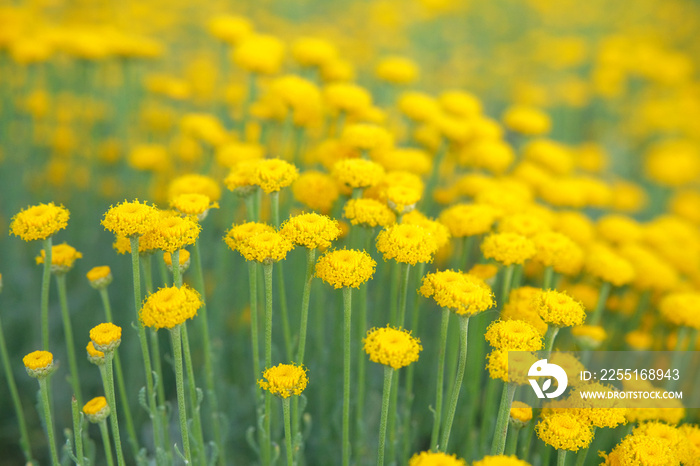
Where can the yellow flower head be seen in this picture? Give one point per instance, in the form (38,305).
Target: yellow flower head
(681,308)
(500,460)
(556,158)
(514,335)
(106,337)
(169,307)
(99,276)
(149,157)
(392,346)
(97,409)
(559,309)
(368,213)
(591,336)
(183,259)
(558,251)
(194,183)
(130,219)
(39,364)
(94,356)
(460,103)
(462,293)
(498,365)
(419,106)
(366,136)
(312,51)
(525,224)
(494,156)
(358,173)
(652,272)
(599,412)
(260,53)
(641,450)
(345,268)
(520,307)
(439,232)
(673,163)
(311,230)
(402,199)
(607,265)
(347,97)
(576,226)
(520,412)
(508,248)
(241,233)
(274,174)
(63,257)
(397,70)
(266,247)
(406,243)
(173,232)
(284,380)
(193,204)
(564,431)
(429,458)
(692,433)
(231,154)
(229,28)
(530,121)
(619,229)
(412,160)
(468,219)
(241,179)
(316,190)
(39,221)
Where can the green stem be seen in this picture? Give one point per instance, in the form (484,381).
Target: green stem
(403,291)
(275,208)
(467,247)
(253,296)
(109,391)
(548,278)
(104,295)
(440,378)
(507,280)
(549,337)
(524,449)
(284,314)
(310,262)
(288,431)
(464,328)
(77,431)
(581,454)
(105,442)
(393,414)
(177,273)
(561,457)
(499,438)
(267,446)
(347,329)
(602,299)
(45,285)
(361,361)
(16,401)
(176,340)
(70,344)
(512,441)
(192,386)
(44,389)
(388,375)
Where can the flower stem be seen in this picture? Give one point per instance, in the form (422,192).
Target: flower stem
(192,386)
(70,344)
(440,378)
(512,442)
(548,278)
(388,375)
(77,431)
(561,457)
(549,337)
(267,444)
(403,291)
(347,328)
(109,391)
(176,340)
(45,285)
(464,328)
(602,299)
(507,280)
(310,261)
(288,431)
(105,442)
(253,296)
(499,439)
(177,273)
(44,389)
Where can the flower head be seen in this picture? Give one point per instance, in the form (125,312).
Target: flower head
(607,265)
(95,356)
(358,173)
(274,174)
(193,204)
(130,219)
(500,460)
(97,409)
(462,293)
(499,367)
(63,257)
(284,380)
(316,190)
(39,364)
(311,230)
(173,232)
(194,183)
(266,247)
(39,221)
(402,199)
(558,251)
(520,412)
(429,458)
(397,70)
(469,219)
(438,231)
(183,260)
(641,450)
(106,337)
(392,347)
(368,212)
(241,233)
(508,248)
(345,268)
(681,308)
(564,431)
(408,244)
(527,120)
(169,307)
(99,276)
(260,53)
(514,335)
(559,309)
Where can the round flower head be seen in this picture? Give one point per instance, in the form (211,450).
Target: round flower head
(358,173)
(367,137)
(173,232)
(397,70)
(468,219)
(99,276)
(39,364)
(407,244)
(312,51)
(311,230)
(260,53)
(238,234)
(520,413)
(500,460)
(429,458)
(266,247)
(193,204)
(607,265)
(240,180)
(130,219)
(530,121)
(347,97)
(618,229)
(498,365)
(169,307)
(439,232)
(692,433)
(524,223)
(462,293)
(520,307)
(106,337)
(39,221)
(94,356)
(184,260)
(274,174)
(508,248)
(590,336)
(97,409)
(63,257)
(194,183)
(316,190)
(558,251)
(284,380)
(392,347)
(229,28)
(681,308)
(368,213)
(514,335)
(402,199)
(599,412)
(559,309)
(642,450)
(651,271)
(345,268)
(564,431)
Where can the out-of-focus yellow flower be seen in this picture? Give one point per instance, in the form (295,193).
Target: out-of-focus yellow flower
(468,219)
(508,248)
(530,121)
(607,265)
(558,251)
(681,308)
(63,256)
(194,183)
(229,28)
(427,458)
(358,173)
(313,51)
(232,153)
(673,163)
(397,70)
(553,156)
(419,106)
(260,53)
(316,190)
(493,155)
(347,98)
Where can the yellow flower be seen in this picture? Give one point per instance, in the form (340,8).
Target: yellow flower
(397,70)
(558,251)
(97,409)
(358,173)
(149,157)
(184,260)
(564,431)
(684,204)
(194,183)
(429,458)
(607,265)
(316,190)
(63,257)
(439,232)
(231,154)
(99,276)
(106,337)
(500,460)
(266,247)
(406,243)
(274,174)
(368,212)
(508,248)
(366,136)
(521,412)
(641,450)
(530,121)
(260,53)
(559,309)
(494,156)
(419,106)
(402,199)
(673,163)
(460,103)
(173,232)
(241,233)
(681,308)
(241,179)
(553,156)
(338,71)
(229,28)
(639,340)
(590,335)
(692,433)
(312,51)
(392,347)
(619,229)
(130,219)
(651,271)
(38,364)
(345,268)
(193,204)
(520,307)
(576,226)
(411,160)
(169,307)
(462,293)
(39,221)
(468,219)
(347,98)
(95,356)
(311,230)
(513,335)
(284,380)
(499,368)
